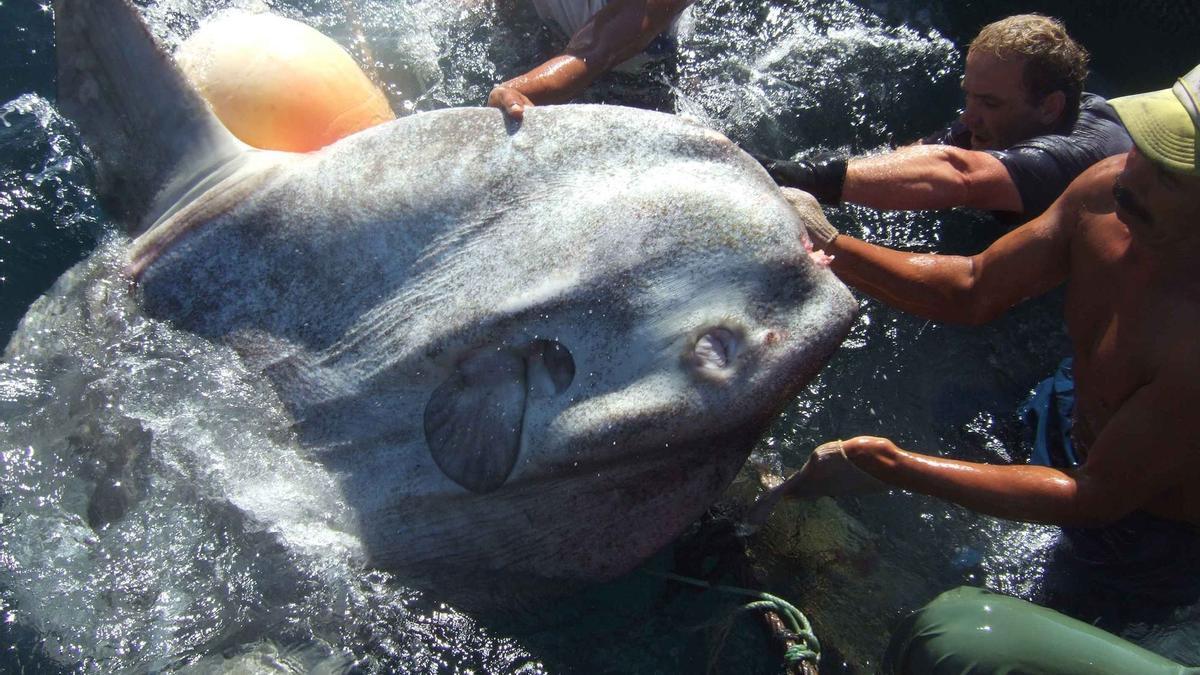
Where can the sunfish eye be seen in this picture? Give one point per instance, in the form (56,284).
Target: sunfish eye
(716,348)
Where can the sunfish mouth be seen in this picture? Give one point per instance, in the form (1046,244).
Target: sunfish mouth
(716,349)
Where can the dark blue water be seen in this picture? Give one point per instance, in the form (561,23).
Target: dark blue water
(778,77)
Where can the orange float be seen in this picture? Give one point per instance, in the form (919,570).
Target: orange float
(279,84)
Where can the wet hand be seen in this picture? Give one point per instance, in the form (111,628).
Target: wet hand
(512,102)
(827,473)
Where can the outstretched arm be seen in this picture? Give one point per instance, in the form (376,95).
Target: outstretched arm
(1017,492)
(911,178)
(617,32)
(1146,457)
(931,177)
(1024,263)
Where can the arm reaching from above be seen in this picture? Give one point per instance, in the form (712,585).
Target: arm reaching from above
(912,178)
(1025,263)
(931,177)
(617,32)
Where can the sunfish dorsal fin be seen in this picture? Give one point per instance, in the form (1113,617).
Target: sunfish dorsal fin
(153,135)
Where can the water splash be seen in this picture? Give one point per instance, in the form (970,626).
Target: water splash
(158,511)
(48,214)
(780,77)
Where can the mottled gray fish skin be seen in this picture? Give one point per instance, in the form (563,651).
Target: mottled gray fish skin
(526,353)
(360,279)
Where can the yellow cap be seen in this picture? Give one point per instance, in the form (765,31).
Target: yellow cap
(279,84)
(1163,123)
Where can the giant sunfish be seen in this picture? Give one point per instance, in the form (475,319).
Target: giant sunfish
(524,353)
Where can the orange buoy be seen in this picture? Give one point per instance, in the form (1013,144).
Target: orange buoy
(279,84)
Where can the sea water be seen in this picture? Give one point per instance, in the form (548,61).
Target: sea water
(214,544)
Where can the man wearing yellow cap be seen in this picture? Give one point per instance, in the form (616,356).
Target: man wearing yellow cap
(1125,239)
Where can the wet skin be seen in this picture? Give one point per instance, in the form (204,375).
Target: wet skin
(1132,311)
(999,111)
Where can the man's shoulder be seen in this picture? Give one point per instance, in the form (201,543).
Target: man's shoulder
(1105,169)
(1097,116)
(1045,165)
(1095,184)
(1096,132)
(1088,200)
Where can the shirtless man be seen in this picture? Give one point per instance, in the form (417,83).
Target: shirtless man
(604,33)
(1027,130)
(1125,237)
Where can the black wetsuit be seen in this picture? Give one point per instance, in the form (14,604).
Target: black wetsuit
(1043,166)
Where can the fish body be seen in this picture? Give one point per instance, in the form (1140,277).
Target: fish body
(524,353)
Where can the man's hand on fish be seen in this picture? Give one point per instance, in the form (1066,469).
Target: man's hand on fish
(509,100)
(827,473)
(818,230)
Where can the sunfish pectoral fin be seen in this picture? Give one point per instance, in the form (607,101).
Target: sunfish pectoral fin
(473,420)
(153,135)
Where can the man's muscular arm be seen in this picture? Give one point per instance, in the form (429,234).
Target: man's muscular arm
(1024,263)
(617,32)
(931,177)
(1145,453)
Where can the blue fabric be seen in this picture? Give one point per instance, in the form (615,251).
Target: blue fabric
(1134,570)
(1050,413)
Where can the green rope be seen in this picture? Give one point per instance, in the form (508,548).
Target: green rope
(808,649)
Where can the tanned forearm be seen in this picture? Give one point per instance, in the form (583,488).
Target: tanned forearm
(616,33)
(936,287)
(556,80)
(1028,493)
(930,177)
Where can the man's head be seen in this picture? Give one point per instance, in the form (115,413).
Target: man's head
(1158,193)
(1024,78)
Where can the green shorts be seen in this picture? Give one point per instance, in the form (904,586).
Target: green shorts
(972,630)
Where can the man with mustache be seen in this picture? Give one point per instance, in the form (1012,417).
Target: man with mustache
(1026,131)
(1121,480)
